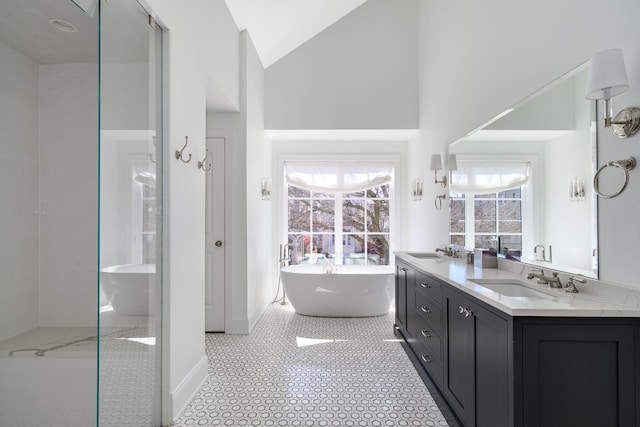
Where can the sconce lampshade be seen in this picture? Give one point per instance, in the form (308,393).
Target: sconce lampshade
(436,162)
(453,162)
(607,75)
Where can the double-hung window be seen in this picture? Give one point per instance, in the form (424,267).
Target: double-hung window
(340,211)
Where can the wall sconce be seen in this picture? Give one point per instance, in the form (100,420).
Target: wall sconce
(436,165)
(265,188)
(577,190)
(416,189)
(608,78)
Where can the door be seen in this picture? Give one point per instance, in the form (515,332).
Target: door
(459,375)
(404,276)
(476,379)
(215,244)
(131,144)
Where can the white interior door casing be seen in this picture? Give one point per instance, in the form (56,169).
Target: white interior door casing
(215,244)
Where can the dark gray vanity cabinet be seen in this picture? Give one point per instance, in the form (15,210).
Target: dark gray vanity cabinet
(579,372)
(476,364)
(404,281)
(424,323)
(490,369)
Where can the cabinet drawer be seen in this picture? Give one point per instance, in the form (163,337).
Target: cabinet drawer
(426,336)
(428,360)
(429,287)
(429,311)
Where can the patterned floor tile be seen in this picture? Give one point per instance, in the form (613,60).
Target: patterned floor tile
(295,370)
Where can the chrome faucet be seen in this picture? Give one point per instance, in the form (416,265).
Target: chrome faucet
(571,287)
(285,254)
(448,252)
(553,280)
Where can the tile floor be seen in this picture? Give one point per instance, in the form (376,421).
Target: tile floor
(295,370)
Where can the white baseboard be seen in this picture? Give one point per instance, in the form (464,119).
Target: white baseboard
(237,325)
(188,387)
(257,314)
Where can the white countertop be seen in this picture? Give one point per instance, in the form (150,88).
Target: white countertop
(595,298)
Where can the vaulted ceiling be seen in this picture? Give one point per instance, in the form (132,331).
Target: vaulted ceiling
(278,27)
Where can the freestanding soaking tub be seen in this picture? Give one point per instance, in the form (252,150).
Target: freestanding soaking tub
(351,291)
(127,287)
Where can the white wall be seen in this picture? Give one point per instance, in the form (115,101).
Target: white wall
(202,53)
(249,249)
(497,52)
(261,257)
(68,107)
(360,73)
(19,165)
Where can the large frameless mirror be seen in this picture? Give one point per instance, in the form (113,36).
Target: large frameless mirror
(523,183)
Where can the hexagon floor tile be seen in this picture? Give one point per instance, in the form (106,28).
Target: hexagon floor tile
(295,370)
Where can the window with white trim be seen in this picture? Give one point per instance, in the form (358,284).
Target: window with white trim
(333,216)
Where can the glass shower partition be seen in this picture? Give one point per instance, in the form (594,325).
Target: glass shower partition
(48,214)
(130,230)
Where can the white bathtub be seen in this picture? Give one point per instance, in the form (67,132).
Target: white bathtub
(127,287)
(354,291)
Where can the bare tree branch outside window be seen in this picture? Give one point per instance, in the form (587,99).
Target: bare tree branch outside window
(364,229)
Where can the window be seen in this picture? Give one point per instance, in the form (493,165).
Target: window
(339,209)
(477,220)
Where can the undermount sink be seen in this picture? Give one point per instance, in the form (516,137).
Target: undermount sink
(423,254)
(510,288)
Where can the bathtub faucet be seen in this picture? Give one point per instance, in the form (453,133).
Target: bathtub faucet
(285,254)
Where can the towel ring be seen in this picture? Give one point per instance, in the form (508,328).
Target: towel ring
(626,165)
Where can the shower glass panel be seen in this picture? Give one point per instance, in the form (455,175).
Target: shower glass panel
(48,214)
(130,307)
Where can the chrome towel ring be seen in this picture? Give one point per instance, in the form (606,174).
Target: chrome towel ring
(626,165)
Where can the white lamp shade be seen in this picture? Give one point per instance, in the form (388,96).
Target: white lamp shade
(607,75)
(453,162)
(436,162)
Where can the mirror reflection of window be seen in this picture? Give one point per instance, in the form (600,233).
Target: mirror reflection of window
(144,217)
(496,221)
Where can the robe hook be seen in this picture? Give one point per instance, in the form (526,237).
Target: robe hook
(180,154)
(202,164)
(154,147)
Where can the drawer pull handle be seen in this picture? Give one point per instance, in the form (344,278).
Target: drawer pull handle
(425,333)
(425,359)
(460,309)
(467,312)
(425,285)
(425,309)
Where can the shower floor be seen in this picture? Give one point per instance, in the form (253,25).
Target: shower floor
(52,341)
(52,381)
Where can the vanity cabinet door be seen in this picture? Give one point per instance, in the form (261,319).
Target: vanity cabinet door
(476,381)
(404,281)
(579,374)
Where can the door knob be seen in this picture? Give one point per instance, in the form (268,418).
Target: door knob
(218,243)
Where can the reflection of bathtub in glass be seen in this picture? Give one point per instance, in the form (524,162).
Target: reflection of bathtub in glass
(127,287)
(354,291)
